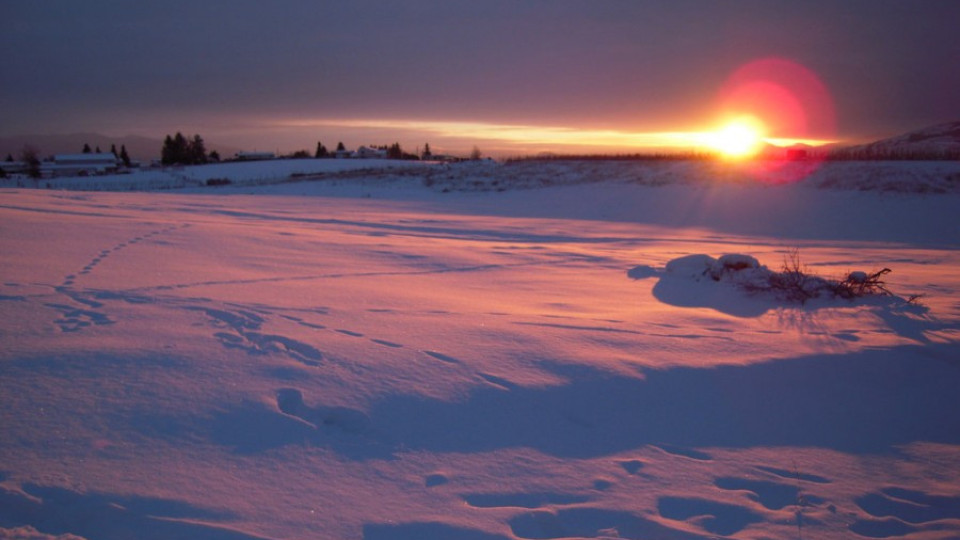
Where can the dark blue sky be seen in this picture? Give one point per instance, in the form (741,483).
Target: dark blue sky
(242,70)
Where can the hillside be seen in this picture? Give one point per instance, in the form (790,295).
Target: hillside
(934,142)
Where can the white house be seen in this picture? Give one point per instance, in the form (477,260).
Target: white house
(80,164)
(370,153)
(13,167)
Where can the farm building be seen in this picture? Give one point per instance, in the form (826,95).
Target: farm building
(365,152)
(80,164)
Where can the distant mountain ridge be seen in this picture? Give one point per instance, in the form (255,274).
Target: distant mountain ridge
(934,142)
(139,148)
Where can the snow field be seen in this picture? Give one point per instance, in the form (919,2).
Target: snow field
(495,365)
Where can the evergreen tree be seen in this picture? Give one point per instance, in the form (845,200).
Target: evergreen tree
(175,150)
(196,151)
(426,152)
(341,147)
(98,150)
(30,156)
(321,151)
(166,153)
(394,152)
(86,148)
(180,150)
(113,150)
(214,156)
(124,156)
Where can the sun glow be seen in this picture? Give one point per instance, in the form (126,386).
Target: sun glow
(740,138)
(743,136)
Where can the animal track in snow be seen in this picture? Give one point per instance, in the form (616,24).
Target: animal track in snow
(303,352)
(386,343)
(301,322)
(349,333)
(70,279)
(239,321)
(441,357)
(245,335)
(383,342)
(243,325)
(74,319)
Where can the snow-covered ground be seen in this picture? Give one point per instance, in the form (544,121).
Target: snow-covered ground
(238,172)
(487,175)
(434,353)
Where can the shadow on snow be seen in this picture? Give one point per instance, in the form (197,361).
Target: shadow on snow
(58,511)
(862,403)
(868,402)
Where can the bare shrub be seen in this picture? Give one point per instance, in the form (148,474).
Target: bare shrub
(794,282)
(858,284)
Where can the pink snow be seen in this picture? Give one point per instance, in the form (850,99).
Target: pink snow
(372,357)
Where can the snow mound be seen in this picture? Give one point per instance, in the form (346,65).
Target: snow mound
(731,266)
(790,284)
(721,283)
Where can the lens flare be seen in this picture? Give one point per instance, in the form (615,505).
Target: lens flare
(792,103)
(789,98)
(740,138)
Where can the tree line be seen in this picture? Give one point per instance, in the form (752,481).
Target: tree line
(891,154)
(122,155)
(178,150)
(392,151)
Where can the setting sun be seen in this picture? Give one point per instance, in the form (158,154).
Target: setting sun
(740,138)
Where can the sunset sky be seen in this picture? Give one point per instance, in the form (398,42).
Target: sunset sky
(509,76)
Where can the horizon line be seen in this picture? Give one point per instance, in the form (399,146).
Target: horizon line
(537,135)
